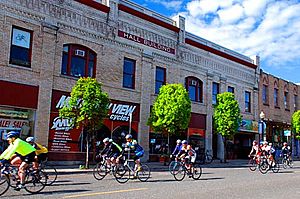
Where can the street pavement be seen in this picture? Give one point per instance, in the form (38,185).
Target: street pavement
(219,180)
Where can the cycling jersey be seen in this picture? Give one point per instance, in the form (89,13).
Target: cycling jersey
(18,146)
(285,150)
(39,148)
(111,150)
(138,150)
(177,149)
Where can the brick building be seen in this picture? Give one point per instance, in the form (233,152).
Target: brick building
(278,99)
(47,45)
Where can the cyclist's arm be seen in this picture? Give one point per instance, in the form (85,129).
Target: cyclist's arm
(10,151)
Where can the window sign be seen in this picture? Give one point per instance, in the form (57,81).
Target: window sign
(21,38)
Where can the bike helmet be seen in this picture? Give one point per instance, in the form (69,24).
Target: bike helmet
(12,134)
(184,142)
(254,142)
(30,139)
(105,140)
(110,140)
(128,136)
(178,141)
(284,144)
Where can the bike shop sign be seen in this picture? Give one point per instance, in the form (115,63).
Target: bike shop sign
(121,112)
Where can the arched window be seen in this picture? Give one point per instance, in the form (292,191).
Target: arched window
(195,88)
(78,61)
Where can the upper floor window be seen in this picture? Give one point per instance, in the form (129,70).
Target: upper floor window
(195,89)
(78,61)
(295,102)
(247,101)
(230,89)
(215,92)
(286,100)
(265,94)
(160,78)
(276,97)
(129,73)
(21,47)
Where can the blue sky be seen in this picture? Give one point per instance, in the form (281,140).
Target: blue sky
(268,28)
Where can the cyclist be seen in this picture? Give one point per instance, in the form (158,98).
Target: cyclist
(187,154)
(110,151)
(177,149)
(255,150)
(138,151)
(25,154)
(116,152)
(41,152)
(285,150)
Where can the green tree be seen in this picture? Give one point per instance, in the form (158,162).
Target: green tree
(87,107)
(171,110)
(227,117)
(296,123)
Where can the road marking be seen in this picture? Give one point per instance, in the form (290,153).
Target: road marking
(103,193)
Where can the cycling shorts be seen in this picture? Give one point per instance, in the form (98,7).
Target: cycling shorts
(138,155)
(42,157)
(28,158)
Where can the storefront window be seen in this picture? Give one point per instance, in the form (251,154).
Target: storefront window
(12,119)
(157,142)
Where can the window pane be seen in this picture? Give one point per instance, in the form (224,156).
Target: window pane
(64,64)
(19,56)
(157,86)
(77,66)
(199,93)
(160,74)
(66,49)
(91,69)
(128,66)
(192,93)
(230,89)
(91,56)
(127,81)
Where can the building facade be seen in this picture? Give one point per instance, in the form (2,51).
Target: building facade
(278,99)
(48,45)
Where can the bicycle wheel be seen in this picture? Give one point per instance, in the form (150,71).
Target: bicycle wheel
(172,166)
(197,172)
(35,181)
(291,163)
(264,167)
(276,167)
(122,173)
(179,172)
(4,183)
(208,159)
(252,164)
(144,173)
(284,163)
(100,171)
(51,174)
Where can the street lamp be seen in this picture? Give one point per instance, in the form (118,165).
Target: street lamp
(262,117)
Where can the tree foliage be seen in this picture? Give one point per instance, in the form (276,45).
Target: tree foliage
(296,123)
(171,110)
(227,116)
(88,105)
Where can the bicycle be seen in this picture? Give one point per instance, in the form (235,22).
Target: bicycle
(101,169)
(50,172)
(125,171)
(287,161)
(206,158)
(35,181)
(266,165)
(180,171)
(172,164)
(253,162)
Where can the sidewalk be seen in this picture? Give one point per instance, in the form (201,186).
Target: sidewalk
(154,166)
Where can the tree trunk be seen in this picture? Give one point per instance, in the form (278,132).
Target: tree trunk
(225,149)
(87,151)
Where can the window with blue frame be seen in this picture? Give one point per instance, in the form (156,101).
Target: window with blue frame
(160,78)
(129,73)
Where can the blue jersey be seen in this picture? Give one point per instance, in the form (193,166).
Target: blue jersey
(177,149)
(135,146)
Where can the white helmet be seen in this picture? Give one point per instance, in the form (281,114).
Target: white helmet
(30,139)
(128,136)
(184,142)
(178,141)
(105,140)
(110,140)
